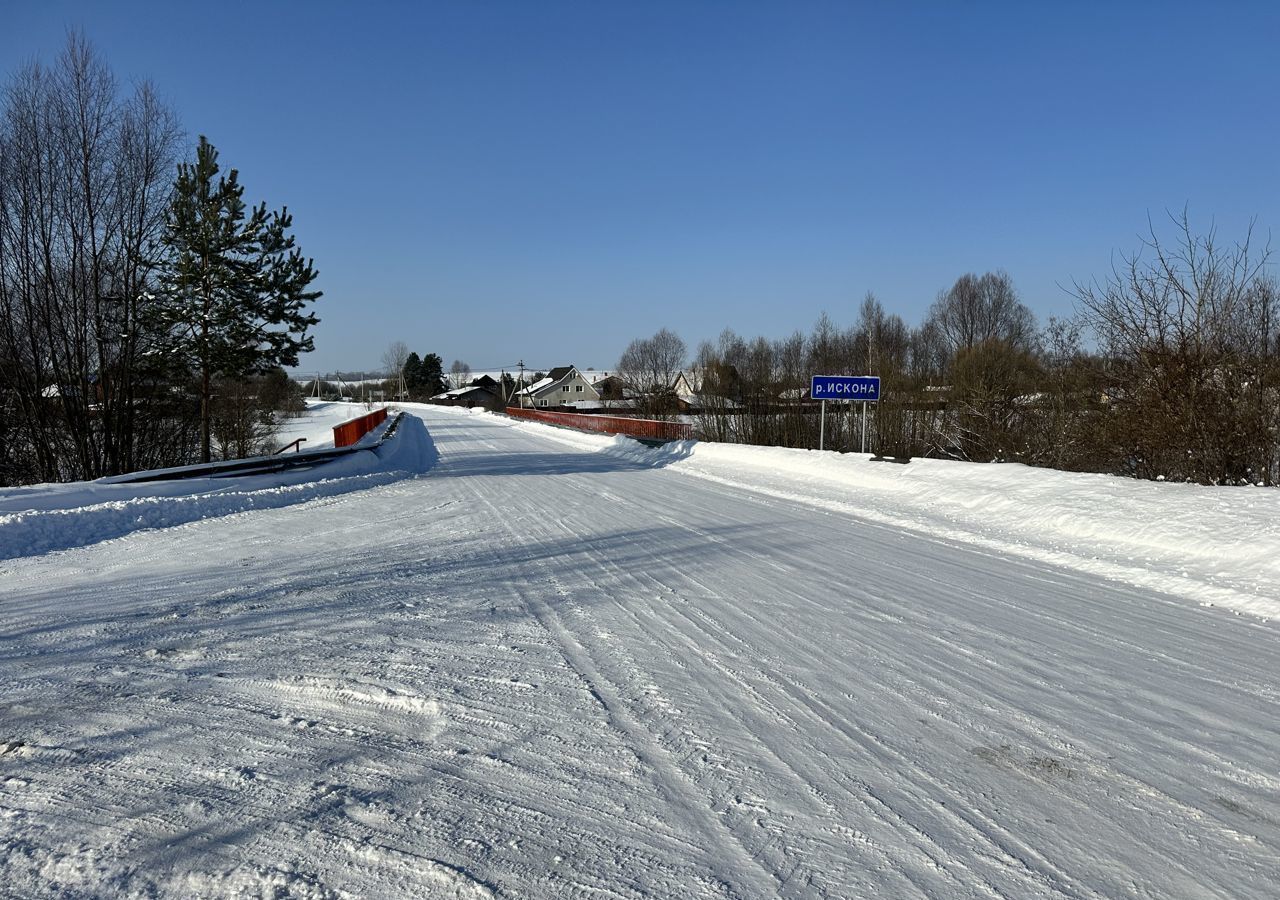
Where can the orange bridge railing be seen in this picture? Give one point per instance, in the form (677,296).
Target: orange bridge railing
(645,429)
(348,433)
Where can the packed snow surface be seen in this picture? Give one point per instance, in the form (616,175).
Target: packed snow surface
(496,659)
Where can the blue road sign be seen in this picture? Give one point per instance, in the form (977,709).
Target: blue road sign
(845,387)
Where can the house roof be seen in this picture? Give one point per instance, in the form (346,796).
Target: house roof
(554,377)
(602,404)
(463,391)
(537,386)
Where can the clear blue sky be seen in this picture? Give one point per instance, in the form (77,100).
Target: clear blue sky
(548,180)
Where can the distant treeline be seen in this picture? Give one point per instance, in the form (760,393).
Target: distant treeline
(1168,369)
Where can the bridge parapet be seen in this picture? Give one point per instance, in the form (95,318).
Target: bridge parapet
(644,429)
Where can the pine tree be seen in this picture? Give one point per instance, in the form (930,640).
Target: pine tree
(234,291)
(413,375)
(433,374)
(423,376)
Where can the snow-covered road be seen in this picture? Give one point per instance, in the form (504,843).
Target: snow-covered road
(543,670)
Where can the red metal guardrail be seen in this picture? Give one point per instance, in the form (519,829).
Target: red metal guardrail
(348,433)
(646,429)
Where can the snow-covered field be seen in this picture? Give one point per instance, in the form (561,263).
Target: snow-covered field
(316,427)
(501,659)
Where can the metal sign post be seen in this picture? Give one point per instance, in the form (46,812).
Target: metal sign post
(844,387)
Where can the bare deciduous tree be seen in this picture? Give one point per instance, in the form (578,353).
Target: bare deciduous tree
(649,368)
(458,372)
(981,308)
(993,390)
(880,340)
(393,362)
(84,179)
(1189,329)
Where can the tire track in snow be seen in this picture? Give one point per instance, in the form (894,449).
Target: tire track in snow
(1048,875)
(729,859)
(907,872)
(755,688)
(733,645)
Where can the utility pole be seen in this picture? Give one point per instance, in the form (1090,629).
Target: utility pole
(520,388)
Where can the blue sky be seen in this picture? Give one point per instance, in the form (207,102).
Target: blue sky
(547,180)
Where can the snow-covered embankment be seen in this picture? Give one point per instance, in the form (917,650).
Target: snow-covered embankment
(48,517)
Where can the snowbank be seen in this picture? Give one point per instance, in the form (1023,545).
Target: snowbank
(49,517)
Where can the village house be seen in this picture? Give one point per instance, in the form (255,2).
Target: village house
(562,386)
(480,392)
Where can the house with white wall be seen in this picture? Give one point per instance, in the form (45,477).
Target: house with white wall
(562,386)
